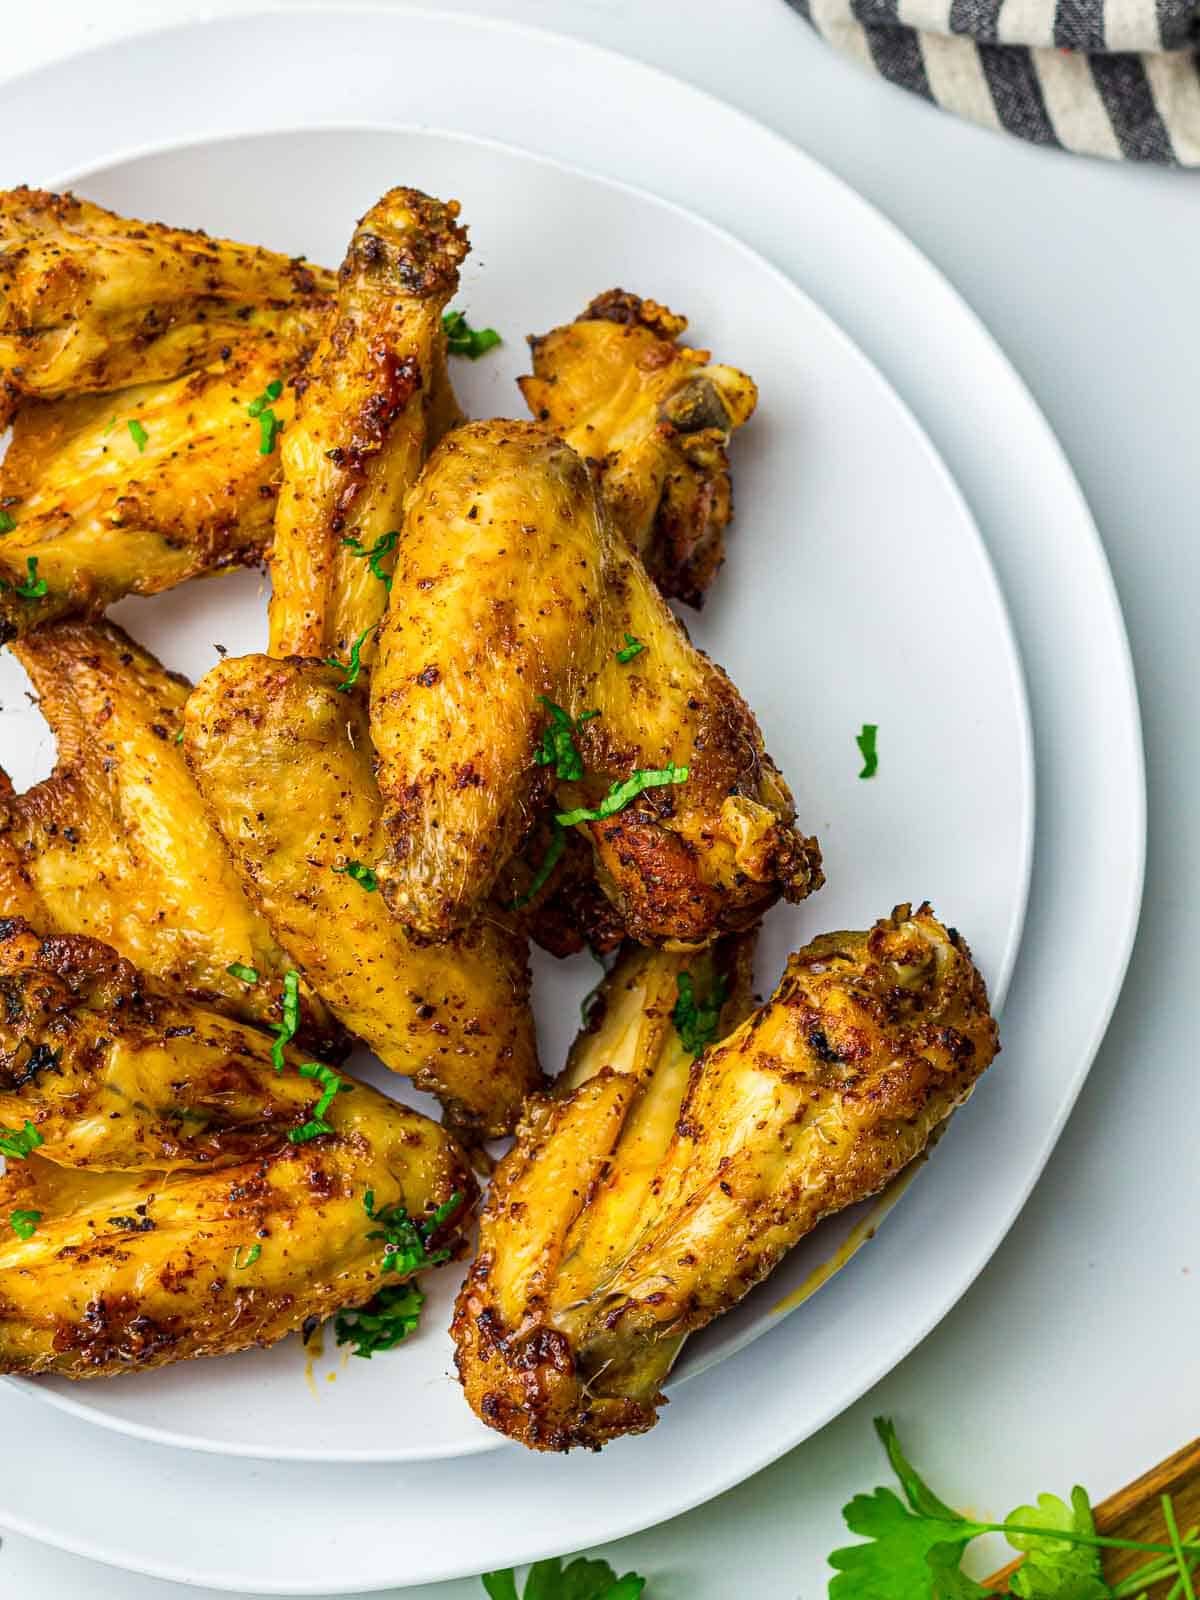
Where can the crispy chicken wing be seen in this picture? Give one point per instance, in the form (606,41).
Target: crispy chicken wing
(134,492)
(511,602)
(116,843)
(283,759)
(91,301)
(168,1210)
(648,1194)
(655,417)
(376,396)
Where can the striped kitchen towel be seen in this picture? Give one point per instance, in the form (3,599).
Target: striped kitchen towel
(1116,78)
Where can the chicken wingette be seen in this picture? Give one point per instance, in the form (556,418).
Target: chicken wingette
(116,843)
(134,492)
(648,1193)
(282,754)
(655,419)
(91,301)
(506,644)
(376,396)
(168,1194)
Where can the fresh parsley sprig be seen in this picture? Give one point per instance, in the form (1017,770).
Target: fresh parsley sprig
(580,1579)
(464,340)
(353,667)
(696,1021)
(17,1143)
(619,796)
(405,1240)
(557,748)
(383,546)
(383,1323)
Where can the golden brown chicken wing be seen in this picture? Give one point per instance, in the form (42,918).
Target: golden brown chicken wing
(116,843)
(284,760)
(376,397)
(655,419)
(168,1194)
(91,301)
(508,643)
(134,492)
(649,1193)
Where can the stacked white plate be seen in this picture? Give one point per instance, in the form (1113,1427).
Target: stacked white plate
(867,582)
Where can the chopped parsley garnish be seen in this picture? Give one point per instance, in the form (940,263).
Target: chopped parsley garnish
(383,1322)
(353,667)
(696,1021)
(581,1579)
(383,546)
(17,1143)
(7,522)
(138,434)
(557,748)
(362,875)
(238,969)
(179,737)
(269,424)
(619,796)
(285,1031)
(105,431)
(24,1223)
(330,1083)
(464,340)
(554,850)
(405,1241)
(252,1255)
(34,587)
(866,747)
(633,647)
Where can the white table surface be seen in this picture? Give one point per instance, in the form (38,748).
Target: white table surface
(1075,1356)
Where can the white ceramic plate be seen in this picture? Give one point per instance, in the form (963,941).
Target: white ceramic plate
(301,1529)
(857,589)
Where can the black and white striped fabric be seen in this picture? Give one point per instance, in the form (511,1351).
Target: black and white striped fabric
(1115,78)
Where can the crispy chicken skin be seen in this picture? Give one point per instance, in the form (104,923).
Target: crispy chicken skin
(376,397)
(116,843)
(283,759)
(655,418)
(511,589)
(91,301)
(166,1161)
(646,1195)
(108,510)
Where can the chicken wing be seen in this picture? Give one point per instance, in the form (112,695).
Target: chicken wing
(654,418)
(116,843)
(134,492)
(172,1196)
(506,642)
(376,396)
(283,758)
(647,1195)
(91,301)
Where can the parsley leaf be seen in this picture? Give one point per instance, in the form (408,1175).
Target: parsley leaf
(464,340)
(696,1021)
(252,1255)
(331,1083)
(557,748)
(269,424)
(866,745)
(353,667)
(633,647)
(285,1031)
(405,1241)
(34,587)
(383,546)
(24,1223)
(362,875)
(236,969)
(1053,1570)
(7,522)
(554,850)
(383,1323)
(138,434)
(261,401)
(580,1579)
(17,1143)
(619,796)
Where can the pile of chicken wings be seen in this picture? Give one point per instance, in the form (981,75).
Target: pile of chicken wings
(478,723)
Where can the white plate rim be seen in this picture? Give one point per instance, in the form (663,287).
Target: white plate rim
(80,1407)
(1132,802)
